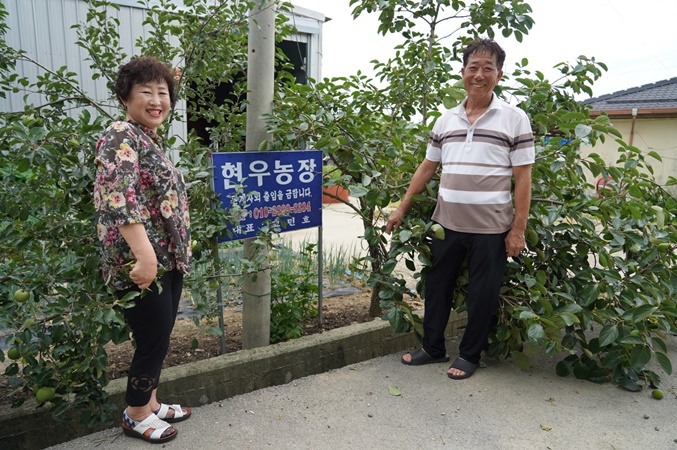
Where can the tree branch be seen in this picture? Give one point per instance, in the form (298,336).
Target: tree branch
(83,95)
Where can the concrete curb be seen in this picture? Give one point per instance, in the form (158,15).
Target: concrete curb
(224,376)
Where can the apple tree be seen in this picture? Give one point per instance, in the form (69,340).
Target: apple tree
(49,252)
(597,285)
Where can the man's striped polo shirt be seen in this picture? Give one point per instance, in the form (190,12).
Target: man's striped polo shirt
(477,161)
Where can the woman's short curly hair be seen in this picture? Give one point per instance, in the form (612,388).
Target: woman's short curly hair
(143,69)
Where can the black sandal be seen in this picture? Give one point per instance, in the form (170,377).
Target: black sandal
(419,357)
(465,366)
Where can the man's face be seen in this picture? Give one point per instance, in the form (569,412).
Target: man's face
(481,75)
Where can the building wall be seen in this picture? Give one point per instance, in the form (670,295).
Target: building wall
(42,28)
(658,134)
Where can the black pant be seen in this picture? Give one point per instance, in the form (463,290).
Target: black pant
(151,321)
(486,258)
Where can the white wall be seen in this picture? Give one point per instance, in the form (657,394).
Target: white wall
(658,135)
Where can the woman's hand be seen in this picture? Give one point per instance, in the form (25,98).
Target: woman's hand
(145,269)
(144,272)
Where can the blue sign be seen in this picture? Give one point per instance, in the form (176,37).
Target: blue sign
(284,186)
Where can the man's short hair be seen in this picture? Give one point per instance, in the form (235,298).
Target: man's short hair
(485,46)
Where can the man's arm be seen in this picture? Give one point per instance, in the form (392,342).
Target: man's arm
(514,241)
(421,177)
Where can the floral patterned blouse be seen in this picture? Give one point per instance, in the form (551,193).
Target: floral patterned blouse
(137,183)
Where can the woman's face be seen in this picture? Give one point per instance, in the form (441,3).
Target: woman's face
(148,104)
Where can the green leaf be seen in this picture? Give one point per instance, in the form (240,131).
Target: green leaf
(639,357)
(655,155)
(660,343)
(404,235)
(611,360)
(215,331)
(635,191)
(130,296)
(630,384)
(570,308)
(589,294)
(664,362)
(394,391)
(527,315)
(569,318)
(358,191)
(583,131)
(608,335)
(536,332)
(631,340)
(547,306)
(642,311)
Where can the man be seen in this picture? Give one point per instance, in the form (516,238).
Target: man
(482,145)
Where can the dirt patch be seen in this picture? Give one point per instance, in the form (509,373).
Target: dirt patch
(190,343)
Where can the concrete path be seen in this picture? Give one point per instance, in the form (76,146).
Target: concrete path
(341,228)
(342,232)
(500,407)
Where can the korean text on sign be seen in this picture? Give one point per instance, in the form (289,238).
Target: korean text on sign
(286,186)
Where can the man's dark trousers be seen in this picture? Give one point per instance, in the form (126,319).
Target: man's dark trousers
(486,258)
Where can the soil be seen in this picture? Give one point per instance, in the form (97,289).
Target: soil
(191,343)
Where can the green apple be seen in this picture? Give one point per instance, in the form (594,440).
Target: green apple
(21,296)
(13,353)
(44,394)
(438,231)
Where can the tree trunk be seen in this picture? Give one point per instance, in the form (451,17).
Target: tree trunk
(375,305)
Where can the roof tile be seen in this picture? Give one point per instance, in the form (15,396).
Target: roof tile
(658,95)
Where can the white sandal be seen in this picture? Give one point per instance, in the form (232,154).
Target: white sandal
(180,413)
(151,429)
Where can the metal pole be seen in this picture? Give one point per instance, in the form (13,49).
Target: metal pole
(216,256)
(219,299)
(319,274)
(260,81)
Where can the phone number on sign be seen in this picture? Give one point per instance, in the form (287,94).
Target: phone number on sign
(281,210)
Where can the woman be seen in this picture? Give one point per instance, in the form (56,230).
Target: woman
(144,229)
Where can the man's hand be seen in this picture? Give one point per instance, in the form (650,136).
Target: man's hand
(421,177)
(394,221)
(514,242)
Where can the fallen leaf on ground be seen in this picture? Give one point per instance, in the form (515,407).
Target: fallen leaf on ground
(394,391)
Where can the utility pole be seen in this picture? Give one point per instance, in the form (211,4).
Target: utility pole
(260,81)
